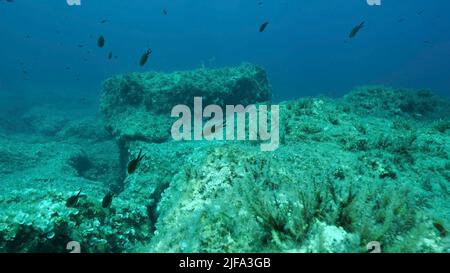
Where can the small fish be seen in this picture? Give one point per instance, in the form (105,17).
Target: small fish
(164,11)
(132,166)
(356,29)
(101,41)
(263,27)
(110,55)
(401,20)
(144,57)
(107,200)
(80,45)
(420,12)
(73,200)
(103,21)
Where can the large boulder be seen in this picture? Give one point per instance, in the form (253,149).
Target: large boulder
(138,105)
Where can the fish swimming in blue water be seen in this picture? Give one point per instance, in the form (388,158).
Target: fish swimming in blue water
(356,29)
(101,41)
(144,57)
(263,26)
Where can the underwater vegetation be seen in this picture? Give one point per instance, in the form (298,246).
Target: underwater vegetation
(370,166)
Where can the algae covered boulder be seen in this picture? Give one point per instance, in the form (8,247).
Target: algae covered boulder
(138,105)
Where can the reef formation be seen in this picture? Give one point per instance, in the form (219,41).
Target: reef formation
(370,166)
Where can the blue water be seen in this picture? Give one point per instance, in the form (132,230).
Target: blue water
(305,48)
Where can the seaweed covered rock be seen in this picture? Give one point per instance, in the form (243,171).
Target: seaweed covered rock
(138,105)
(389,102)
(35,218)
(341,178)
(232,198)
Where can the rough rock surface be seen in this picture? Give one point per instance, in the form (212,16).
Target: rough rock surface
(367,167)
(138,106)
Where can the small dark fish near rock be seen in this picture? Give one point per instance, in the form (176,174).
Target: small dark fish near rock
(110,55)
(73,200)
(132,166)
(107,200)
(144,57)
(101,41)
(356,29)
(263,27)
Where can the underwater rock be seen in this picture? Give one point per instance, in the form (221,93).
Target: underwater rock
(35,218)
(389,102)
(330,239)
(46,121)
(137,106)
(341,178)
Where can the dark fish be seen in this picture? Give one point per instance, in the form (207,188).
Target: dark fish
(110,55)
(259,3)
(144,57)
(263,27)
(132,166)
(80,45)
(420,12)
(401,20)
(103,21)
(440,228)
(101,41)
(164,11)
(107,200)
(356,29)
(73,200)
